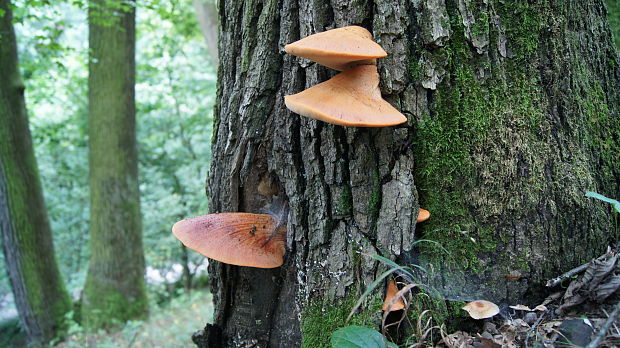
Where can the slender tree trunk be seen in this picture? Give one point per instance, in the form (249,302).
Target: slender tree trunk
(40,294)
(513,116)
(206,13)
(115,288)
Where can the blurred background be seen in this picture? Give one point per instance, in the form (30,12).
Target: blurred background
(175,92)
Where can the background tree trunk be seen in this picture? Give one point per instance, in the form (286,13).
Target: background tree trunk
(40,294)
(513,116)
(114,290)
(206,13)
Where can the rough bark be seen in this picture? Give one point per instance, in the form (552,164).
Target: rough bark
(114,291)
(40,295)
(206,13)
(513,116)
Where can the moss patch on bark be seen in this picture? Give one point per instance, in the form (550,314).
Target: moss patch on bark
(321,319)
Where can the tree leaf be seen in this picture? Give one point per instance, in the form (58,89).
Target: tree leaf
(359,337)
(611,201)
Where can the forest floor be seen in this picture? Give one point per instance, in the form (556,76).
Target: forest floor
(169,325)
(575,315)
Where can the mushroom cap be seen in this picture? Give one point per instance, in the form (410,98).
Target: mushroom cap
(423,215)
(241,239)
(351,98)
(338,48)
(481,309)
(389,295)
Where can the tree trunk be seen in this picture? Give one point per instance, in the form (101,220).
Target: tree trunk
(206,13)
(115,288)
(40,294)
(513,116)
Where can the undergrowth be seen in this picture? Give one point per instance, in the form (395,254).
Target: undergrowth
(169,325)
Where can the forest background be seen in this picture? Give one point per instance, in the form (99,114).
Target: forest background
(175,92)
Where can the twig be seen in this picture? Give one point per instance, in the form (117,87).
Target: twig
(615,326)
(600,335)
(555,281)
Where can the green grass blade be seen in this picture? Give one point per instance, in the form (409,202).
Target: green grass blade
(371,288)
(611,201)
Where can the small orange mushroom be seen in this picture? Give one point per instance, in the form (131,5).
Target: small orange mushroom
(338,48)
(389,295)
(481,309)
(242,239)
(351,98)
(423,215)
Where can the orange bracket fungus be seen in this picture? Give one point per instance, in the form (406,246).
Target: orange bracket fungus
(481,309)
(242,239)
(351,98)
(339,48)
(396,304)
(423,215)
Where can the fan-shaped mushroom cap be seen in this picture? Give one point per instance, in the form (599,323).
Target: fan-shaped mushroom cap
(338,48)
(481,309)
(423,215)
(389,295)
(351,98)
(241,239)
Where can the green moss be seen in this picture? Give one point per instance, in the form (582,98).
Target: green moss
(603,132)
(481,25)
(415,69)
(466,115)
(461,122)
(522,21)
(345,202)
(321,319)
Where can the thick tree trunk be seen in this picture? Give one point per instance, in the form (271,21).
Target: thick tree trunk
(40,295)
(206,13)
(115,289)
(513,116)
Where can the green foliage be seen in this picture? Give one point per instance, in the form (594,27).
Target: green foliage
(359,337)
(109,12)
(175,92)
(613,14)
(11,333)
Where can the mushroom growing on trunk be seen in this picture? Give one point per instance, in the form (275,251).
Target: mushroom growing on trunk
(351,98)
(242,239)
(339,48)
(423,215)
